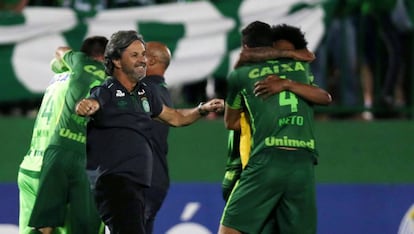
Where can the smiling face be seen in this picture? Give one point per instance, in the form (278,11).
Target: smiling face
(134,61)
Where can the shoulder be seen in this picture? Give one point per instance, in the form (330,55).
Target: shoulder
(148,86)
(72,54)
(75,58)
(109,83)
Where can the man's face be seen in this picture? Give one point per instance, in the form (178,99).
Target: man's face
(134,61)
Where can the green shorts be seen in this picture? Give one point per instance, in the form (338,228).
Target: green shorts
(277,185)
(63,183)
(231,175)
(28,183)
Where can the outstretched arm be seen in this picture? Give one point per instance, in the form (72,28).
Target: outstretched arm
(183,117)
(274,84)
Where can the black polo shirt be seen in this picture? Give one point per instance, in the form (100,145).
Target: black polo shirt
(159,139)
(118,134)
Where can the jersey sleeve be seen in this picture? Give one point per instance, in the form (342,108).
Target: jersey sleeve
(155,100)
(71,58)
(311,77)
(57,66)
(233,99)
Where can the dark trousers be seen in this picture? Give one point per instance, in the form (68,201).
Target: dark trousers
(154,198)
(120,202)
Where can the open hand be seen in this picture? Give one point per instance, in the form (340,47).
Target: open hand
(270,85)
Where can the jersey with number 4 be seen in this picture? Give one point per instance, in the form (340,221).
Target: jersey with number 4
(282,120)
(56,122)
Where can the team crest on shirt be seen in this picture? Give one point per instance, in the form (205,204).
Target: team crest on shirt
(119,93)
(145,104)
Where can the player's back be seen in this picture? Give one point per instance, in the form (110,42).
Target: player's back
(283,119)
(57,122)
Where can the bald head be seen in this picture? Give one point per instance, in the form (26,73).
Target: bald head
(159,57)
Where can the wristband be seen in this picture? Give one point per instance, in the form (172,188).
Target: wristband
(200,111)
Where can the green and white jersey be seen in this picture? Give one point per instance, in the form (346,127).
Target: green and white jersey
(282,120)
(57,123)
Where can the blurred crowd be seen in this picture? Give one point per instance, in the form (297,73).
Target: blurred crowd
(364,58)
(365,55)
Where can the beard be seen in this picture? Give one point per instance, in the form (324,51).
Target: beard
(135,73)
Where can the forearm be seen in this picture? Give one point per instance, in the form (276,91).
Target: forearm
(232,118)
(188,116)
(233,125)
(181,117)
(310,93)
(259,54)
(265,53)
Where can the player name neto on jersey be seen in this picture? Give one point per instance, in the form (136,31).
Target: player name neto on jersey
(291,120)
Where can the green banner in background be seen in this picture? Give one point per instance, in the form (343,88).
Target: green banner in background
(153,31)
(203,36)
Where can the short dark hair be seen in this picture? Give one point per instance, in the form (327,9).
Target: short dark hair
(94,46)
(289,33)
(257,34)
(117,44)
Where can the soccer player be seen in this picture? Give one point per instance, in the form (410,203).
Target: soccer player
(238,155)
(52,175)
(239,141)
(278,181)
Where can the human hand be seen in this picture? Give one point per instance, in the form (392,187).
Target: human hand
(214,105)
(270,85)
(87,107)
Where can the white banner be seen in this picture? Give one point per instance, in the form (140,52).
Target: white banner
(203,47)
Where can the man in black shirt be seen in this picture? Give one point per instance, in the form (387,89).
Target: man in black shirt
(120,129)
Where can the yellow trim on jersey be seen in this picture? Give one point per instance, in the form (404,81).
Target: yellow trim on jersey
(245,139)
